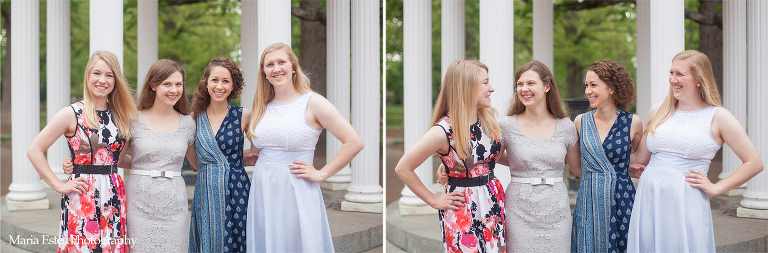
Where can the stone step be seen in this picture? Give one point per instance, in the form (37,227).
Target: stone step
(351,231)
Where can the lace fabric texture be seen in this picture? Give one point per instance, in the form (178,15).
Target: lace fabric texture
(157,206)
(538,216)
(285,127)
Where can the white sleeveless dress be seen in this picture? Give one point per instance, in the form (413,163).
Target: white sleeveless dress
(285,213)
(669,215)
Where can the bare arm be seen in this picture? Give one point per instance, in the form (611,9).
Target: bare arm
(320,110)
(573,159)
(62,123)
(728,129)
(432,142)
(636,135)
(643,156)
(192,157)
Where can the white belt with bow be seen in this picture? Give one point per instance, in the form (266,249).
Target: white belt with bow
(156,173)
(536,180)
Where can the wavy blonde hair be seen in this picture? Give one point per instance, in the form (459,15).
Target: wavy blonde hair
(120,99)
(458,95)
(264,90)
(701,69)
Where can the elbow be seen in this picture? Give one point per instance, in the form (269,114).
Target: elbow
(759,166)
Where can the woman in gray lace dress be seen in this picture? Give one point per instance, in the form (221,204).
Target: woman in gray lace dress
(539,139)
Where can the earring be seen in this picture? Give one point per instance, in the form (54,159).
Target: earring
(698,85)
(294,71)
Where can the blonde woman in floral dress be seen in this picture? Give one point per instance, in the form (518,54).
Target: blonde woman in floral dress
(467,140)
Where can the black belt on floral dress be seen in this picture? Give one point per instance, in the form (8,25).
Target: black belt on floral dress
(472,181)
(94,169)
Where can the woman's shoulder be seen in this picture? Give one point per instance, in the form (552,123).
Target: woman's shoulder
(566,124)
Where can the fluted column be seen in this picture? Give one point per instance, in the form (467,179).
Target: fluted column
(364,193)
(250,54)
(417,92)
(337,90)
(57,78)
(106,27)
(665,38)
(543,29)
(146,39)
(643,38)
(274,20)
(452,34)
(497,52)
(734,76)
(755,202)
(25,189)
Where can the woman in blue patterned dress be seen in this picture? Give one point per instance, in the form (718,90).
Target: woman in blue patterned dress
(221,191)
(608,136)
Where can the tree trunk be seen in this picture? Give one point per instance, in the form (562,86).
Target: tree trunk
(312,49)
(711,41)
(6,110)
(573,78)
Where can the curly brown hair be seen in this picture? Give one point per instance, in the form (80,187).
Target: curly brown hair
(202,99)
(617,78)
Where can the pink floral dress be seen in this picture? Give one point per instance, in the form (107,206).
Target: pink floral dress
(94,221)
(479,225)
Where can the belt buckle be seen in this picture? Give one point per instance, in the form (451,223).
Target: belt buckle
(537,181)
(113,168)
(162,173)
(549,181)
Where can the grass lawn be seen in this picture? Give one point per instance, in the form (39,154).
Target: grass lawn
(394,116)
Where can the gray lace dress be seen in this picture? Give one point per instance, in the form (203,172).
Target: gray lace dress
(157,206)
(538,216)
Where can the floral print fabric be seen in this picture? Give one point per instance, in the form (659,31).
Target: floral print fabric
(94,221)
(479,225)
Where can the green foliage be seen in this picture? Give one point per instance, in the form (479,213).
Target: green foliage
(691,27)
(580,38)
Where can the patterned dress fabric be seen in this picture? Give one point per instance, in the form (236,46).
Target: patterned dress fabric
(479,225)
(285,213)
(604,204)
(221,191)
(669,215)
(538,216)
(94,221)
(157,206)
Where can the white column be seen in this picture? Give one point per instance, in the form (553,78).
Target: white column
(106,30)
(666,34)
(147,40)
(543,29)
(338,84)
(643,74)
(452,35)
(734,76)
(417,92)
(364,193)
(249,53)
(274,20)
(25,189)
(57,88)
(755,202)
(497,52)
(106,27)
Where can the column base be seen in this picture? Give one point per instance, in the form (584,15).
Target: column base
(350,206)
(14,205)
(406,210)
(334,186)
(735,192)
(744,212)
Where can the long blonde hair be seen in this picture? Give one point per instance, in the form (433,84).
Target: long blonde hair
(120,99)
(458,96)
(554,102)
(264,90)
(701,69)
